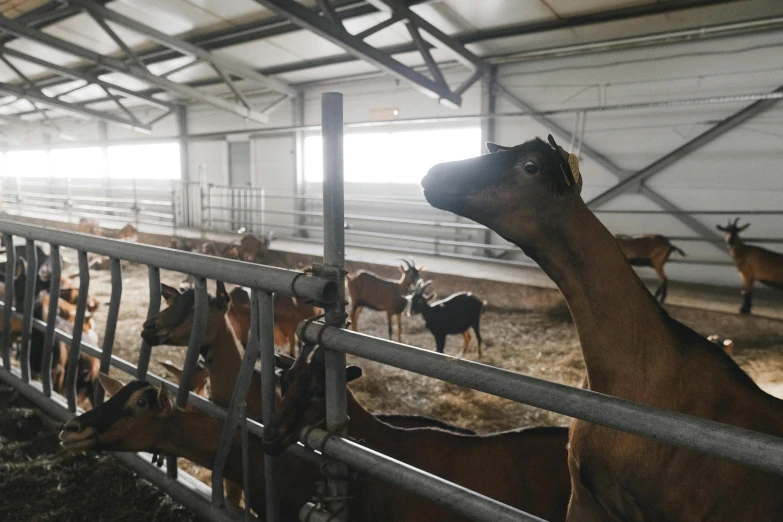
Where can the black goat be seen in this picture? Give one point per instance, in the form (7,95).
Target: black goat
(455,314)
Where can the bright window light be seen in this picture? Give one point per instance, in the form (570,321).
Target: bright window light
(77,163)
(150,161)
(27,164)
(394,157)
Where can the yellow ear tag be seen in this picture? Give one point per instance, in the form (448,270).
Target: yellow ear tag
(573,162)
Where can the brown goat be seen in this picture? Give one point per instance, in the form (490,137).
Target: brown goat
(200,378)
(128,233)
(651,250)
(253,248)
(530,195)
(377,293)
(753,263)
(139,417)
(526,469)
(89,226)
(289,312)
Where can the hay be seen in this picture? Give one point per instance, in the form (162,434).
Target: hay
(39,483)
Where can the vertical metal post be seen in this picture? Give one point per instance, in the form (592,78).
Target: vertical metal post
(261,338)
(266,336)
(334,256)
(263,212)
(111,324)
(196,341)
(8,299)
(299,179)
(68,198)
(135,202)
(154,307)
(184,163)
(72,366)
(489,94)
(29,302)
(51,318)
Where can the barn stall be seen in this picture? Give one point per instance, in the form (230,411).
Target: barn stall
(200,126)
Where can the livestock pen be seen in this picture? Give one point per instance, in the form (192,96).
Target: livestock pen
(334,447)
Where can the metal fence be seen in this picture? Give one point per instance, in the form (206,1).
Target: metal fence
(117,201)
(754,449)
(404,224)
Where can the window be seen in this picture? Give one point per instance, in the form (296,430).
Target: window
(27,164)
(77,163)
(149,161)
(394,157)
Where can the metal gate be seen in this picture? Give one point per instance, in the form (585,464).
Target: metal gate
(761,451)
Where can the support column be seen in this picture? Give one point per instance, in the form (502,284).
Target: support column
(300,204)
(184,166)
(334,258)
(489,93)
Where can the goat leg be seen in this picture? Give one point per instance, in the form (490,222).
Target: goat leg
(747,302)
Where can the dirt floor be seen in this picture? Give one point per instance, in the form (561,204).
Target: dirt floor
(38,483)
(539,340)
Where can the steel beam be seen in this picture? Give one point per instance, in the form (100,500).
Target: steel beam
(116,65)
(235,67)
(78,110)
(684,150)
(561,131)
(334,32)
(686,219)
(524,29)
(278,25)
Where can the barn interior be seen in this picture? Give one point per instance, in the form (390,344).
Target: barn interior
(196,124)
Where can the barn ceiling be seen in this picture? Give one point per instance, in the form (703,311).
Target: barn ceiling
(99,60)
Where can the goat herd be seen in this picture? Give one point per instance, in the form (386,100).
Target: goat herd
(530,195)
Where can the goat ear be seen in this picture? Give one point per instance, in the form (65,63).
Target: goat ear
(111,385)
(175,371)
(352,373)
(168,292)
(743,227)
(494,147)
(223,298)
(164,401)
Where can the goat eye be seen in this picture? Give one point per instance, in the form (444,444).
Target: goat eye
(530,167)
(141,403)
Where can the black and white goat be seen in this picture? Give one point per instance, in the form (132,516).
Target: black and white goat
(455,314)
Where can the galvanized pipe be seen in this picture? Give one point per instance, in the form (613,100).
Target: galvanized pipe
(458,499)
(195,342)
(8,299)
(153,308)
(111,325)
(264,312)
(51,318)
(29,302)
(334,256)
(758,450)
(278,280)
(238,396)
(72,366)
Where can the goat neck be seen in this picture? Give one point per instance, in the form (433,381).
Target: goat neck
(584,260)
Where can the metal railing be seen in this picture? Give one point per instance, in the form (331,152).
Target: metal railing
(370,221)
(118,201)
(758,450)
